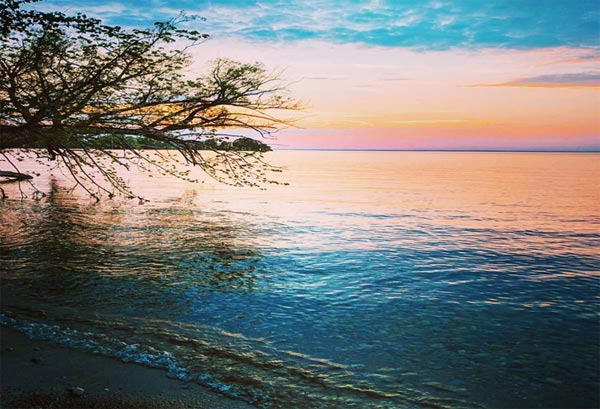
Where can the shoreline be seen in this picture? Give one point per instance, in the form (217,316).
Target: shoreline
(36,373)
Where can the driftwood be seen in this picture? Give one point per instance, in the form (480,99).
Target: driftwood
(13,176)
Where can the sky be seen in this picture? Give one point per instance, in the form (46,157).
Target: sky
(407,74)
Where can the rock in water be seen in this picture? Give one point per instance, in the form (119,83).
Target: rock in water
(77,391)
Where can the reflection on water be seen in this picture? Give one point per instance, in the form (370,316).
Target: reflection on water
(376,279)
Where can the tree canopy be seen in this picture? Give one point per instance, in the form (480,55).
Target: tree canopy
(69,82)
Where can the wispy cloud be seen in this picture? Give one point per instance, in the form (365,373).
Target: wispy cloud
(570,80)
(107,9)
(591,58)
(320,78)
(430,121)
(122,13)
(410,23)
(394,79)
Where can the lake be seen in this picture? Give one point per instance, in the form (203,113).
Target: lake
(375,279)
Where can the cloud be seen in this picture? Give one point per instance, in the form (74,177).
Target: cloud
(591,58)
(343,86)
(569,80)
(107,9)
(120,13)
(430,121)
(319,78)
(394,79)
(390,23)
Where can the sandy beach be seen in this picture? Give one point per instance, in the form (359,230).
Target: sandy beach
(37,374)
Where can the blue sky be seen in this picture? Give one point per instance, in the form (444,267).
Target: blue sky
(390,74)
(436,24)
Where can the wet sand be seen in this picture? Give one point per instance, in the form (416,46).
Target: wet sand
(36,374)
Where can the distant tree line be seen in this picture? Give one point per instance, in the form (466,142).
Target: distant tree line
(241,144)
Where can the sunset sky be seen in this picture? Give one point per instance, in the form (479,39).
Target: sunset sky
(460,74)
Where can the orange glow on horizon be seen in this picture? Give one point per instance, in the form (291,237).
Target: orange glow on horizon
(379,97)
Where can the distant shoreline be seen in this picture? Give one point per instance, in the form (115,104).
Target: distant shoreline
(435,150)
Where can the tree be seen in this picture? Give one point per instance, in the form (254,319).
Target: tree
(69,82)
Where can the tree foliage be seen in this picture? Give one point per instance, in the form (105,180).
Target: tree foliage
(66,82)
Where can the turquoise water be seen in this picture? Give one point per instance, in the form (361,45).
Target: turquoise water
(375,279)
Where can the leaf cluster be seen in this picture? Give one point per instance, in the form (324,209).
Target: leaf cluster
(68,81)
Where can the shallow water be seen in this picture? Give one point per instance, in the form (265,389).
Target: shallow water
(375,279)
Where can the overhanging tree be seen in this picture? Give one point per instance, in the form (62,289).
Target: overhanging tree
(68,82)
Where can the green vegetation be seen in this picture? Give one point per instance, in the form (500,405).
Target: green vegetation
(73,90)
(241,144)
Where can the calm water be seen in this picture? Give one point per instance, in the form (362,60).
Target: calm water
(376,279)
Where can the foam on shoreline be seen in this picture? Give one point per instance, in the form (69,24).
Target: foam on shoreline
(37,373)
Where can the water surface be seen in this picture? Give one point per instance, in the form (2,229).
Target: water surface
(375,279)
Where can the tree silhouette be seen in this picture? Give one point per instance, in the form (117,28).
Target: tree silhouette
(69,82)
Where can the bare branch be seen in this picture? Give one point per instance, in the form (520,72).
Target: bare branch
(78,89)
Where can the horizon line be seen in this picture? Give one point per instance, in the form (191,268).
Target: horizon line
(442,150)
